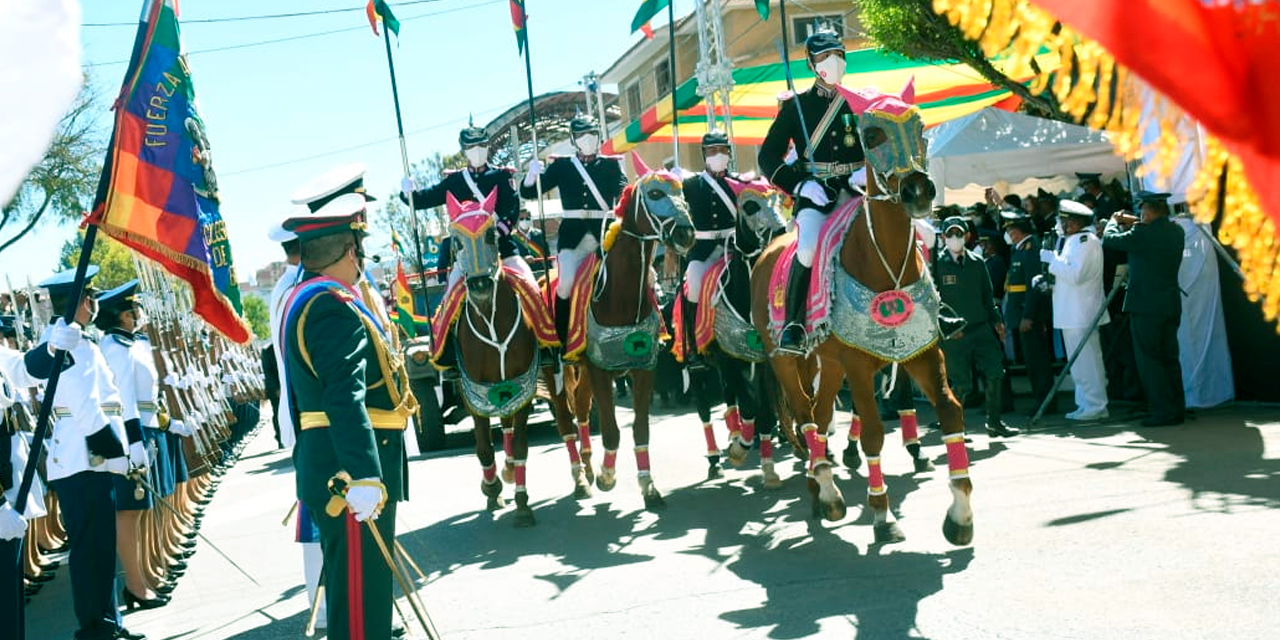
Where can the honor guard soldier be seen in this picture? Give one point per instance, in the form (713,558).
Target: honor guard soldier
(1077,299)
(964,285)
(823,131)
(13,525)
(533,243)
(352,405)
(713,210)
(1026,308)
(1091,183)
(87,445)
(1154,302)
(590,185)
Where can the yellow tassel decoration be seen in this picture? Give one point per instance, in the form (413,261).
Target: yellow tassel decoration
(611,234)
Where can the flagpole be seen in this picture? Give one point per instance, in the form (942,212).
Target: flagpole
(675,112)
(533,133)
(404,160)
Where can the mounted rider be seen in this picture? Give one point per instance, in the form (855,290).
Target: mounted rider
(473,184)
(824,132)
(713,210)
(590,185)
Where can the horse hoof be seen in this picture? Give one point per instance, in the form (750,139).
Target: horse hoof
(606,482)
(956,533)
(524,518)
(923,464)
(851,458)
(496,503)
(835,511)
(889,532)
(737,454)
(653,500)
(581,490)
(588,472)
(491,489)
(509,473)
(772,480)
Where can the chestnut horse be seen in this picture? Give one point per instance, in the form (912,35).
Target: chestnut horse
(879,255)
(498,356)
(622,321)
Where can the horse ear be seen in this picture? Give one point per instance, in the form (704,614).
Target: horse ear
(638,164)
(908,94)
(451,206)
(858,102)
(490,201)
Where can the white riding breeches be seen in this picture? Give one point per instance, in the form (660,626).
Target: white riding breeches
(809,231)
(568,262)
(455,274)
(518,263)
(694,273)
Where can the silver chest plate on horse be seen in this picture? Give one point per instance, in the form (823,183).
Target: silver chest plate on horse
(736,337)
(852,324)
(623,348)
(499,399)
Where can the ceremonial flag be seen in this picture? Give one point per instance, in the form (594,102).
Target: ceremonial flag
(517,23)
(648,9)
(762,7)
(647,30)
(378,9)
(395,243)
(158,193)
(403,314)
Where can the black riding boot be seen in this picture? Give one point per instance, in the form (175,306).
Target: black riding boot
(692,359)
(562,323)
(793,335)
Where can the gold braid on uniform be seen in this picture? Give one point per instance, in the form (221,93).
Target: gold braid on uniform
(1093,88)
(393,371)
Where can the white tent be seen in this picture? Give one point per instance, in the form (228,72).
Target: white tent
(993,147)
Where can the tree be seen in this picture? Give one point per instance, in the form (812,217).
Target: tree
(114,260)
(913,29)
(394,214)
(255,312)
(66,179)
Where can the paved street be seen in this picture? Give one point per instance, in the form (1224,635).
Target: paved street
(1082,532)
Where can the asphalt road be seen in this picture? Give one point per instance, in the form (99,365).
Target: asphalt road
(1104,531)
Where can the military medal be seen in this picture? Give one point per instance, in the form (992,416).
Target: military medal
(848,130)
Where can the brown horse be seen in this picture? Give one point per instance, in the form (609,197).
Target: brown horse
(878,255)
(498,357)
(622,322)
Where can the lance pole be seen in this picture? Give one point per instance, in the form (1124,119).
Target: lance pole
(671,63)
(533,133)
(404,161)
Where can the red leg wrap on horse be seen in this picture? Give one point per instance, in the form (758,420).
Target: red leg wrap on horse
(957,455)
(642,458)
(710,434)
(490,473)
(855,428)
(875,477)
(571,443)
(584,436)
(610,459)
(520,475)
(910,427)
(733,420)
(508,438)
(766,449)
(748,431)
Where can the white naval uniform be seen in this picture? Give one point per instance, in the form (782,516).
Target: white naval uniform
(1077,298)
(280,295)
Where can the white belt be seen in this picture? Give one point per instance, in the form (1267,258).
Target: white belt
(587,214)
(717,234)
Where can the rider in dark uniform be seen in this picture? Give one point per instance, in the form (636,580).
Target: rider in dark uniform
(819,180)
(582,223)
(712,208)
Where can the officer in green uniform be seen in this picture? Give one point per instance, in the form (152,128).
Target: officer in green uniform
(352,402)
(964,285)
(1026,308)
(1153,301)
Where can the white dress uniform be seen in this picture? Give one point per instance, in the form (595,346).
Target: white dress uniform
(280,295)
(1077,299)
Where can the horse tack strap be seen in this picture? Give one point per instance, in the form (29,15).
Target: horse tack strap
(591,184)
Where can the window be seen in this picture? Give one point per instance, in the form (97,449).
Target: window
(633,101)
(804,26)
(662,75)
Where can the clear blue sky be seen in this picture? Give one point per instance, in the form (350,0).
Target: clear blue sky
(283,112)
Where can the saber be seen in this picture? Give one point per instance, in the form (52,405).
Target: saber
(791,86)
(164,503)
(315,607)
(427,625)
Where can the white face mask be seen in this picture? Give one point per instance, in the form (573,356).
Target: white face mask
(588,144)
(525,225)
(955,245)
(1058,228)
(476,156)
(831,70)
(718,162)
(1008,239)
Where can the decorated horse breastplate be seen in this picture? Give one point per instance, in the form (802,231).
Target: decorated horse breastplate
(499,399)
(894,325)
(736,336)
(626,347)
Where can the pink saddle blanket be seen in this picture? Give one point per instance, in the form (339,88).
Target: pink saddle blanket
(825,257)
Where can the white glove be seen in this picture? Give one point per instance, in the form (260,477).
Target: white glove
(535,170)
(178,427)
(64,336)
(858,180)
(1046,255)
(407,187)
(138,456)
(118,465)
(814,192)
(12,524)
(364,500)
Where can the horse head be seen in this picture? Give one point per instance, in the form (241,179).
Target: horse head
(759,208)
(659,194)
(474,236)
(892,135)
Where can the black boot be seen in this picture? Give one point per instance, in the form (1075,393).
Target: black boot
(448,360)
(693,361)
(793,336)
(995,426)
(562,324)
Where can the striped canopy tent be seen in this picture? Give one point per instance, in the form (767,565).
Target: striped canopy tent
(944,91)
